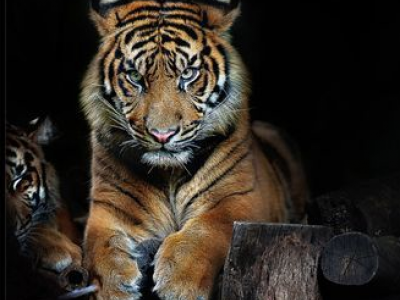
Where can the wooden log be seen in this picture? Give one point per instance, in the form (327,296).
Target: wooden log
(74,277)
(274,262)
(372,207)
(356,259)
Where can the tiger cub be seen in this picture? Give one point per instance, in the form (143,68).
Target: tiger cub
(174,158)
(35,213)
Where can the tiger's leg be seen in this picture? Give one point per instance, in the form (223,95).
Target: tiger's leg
(112,256)
(52,250)
(189,261)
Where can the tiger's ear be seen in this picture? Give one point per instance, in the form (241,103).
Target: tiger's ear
(102,16)
(42,131)
(220,15)
(102,7)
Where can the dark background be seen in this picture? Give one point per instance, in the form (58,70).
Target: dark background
(325,71)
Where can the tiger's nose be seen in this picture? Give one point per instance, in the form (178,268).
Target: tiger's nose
(163,136)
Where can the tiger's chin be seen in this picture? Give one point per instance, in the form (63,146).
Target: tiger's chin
(165,159)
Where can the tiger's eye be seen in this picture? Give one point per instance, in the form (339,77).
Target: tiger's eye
(134,76)
(21,183)
(189,74)
(187,77)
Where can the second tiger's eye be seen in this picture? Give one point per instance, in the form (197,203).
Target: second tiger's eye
(21,183)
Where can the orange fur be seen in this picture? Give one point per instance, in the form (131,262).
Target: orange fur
(185,192)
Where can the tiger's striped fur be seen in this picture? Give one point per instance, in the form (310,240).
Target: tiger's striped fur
(35,213)
(174,159)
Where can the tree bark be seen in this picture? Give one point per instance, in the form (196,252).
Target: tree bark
(274,262)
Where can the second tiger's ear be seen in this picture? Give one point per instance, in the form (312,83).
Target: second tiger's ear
(220,15)
(42,131)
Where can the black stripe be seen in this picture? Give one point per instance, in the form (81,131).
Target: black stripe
(11,163)
(20,168)
(122,68)
(214,67)
(206,51)
(202,89)
(24,227)
(179,17)
(123,191)
(117,176)
(129,36)
(10,153)
(241,193)
(125,91)
(193,132)
(144,9)
(102,74)
(217,89)
(118,54)
(24,143)
(140,53)
(174,9)
(142,43)
(177,40)
(117,210)
(130,109)
(152,56)
(111,71)
(146,33)
(138,29)
(183,53)
(224,54)
(216,180)
(186,29)
(150,18)
(193,60)
(28,157)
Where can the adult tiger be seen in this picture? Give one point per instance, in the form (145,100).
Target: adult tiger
(36,216)
(174,159)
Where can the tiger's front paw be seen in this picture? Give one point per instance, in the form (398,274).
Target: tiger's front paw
(181,272)
(55,258)
(118,286)
(117,279)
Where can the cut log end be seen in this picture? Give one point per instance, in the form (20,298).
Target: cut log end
(73,277)
(350,259)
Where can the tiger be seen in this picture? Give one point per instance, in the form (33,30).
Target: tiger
(36,216)
(175,159)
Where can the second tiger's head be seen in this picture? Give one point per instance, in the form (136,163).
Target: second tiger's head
(165,77)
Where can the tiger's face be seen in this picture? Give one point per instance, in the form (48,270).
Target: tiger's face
(166,76)
(29,182)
